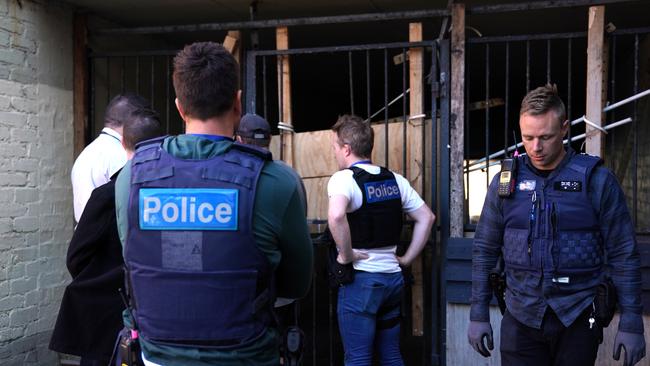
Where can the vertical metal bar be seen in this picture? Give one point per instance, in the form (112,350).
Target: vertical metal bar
(281,103)
(153,79)
(612,74)
(123,75)
(108,80)
(351,78)
(93,122)
(404,72)
(444,193)
(527,66)
(251,82)
(506,122)
(331,326)
(435,89)
(167,95)
(548,61)
(281,92)
(368,83)
(424,138)
(386,107)
(569,90)
(137,74)
(635,126)
(487,114)
(467,152)
(313,312)
(264,93)
(612,90)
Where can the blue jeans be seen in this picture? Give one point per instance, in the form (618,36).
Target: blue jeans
(365,310)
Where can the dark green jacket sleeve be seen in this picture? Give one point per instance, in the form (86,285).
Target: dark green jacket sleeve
(122,200)
(294,272)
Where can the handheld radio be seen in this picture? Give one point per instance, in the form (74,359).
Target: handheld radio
(508,175)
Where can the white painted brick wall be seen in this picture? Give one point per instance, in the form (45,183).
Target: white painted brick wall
(35,161)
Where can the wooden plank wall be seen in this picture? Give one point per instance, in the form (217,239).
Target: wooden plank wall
(314,160)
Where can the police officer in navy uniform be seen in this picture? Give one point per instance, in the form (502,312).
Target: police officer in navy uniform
(212,230)
(562,231)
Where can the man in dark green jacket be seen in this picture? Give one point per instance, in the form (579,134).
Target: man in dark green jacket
(266,216)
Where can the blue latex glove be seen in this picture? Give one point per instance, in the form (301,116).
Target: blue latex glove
(475,334)
(634,345)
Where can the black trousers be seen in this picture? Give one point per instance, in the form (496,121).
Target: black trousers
(552,345)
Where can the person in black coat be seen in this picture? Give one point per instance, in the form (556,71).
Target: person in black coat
(90,316)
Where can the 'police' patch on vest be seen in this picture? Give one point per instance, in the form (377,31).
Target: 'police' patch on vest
(381,191)
(527,185)
(568,186)
(188,209)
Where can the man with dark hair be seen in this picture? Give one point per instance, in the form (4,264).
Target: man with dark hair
(212,230)
(105,155)
(91,309)
(366,204)
(143,125)
(563,231)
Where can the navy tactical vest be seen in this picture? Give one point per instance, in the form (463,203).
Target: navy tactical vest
(552,245)
(196,276)
(378,222)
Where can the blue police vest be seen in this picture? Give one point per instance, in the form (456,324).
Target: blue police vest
(552,245)
(378,222)
(196,276)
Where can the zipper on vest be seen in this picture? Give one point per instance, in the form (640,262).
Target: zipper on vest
(533,220)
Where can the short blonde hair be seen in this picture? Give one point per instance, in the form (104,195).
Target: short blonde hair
(541,100)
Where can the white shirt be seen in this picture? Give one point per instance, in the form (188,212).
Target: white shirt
(342,183)
(95,166)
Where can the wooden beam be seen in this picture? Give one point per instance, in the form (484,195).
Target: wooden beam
(595,72)
(415,167)
(457,120)
(284,91)
(232,43)
(414,131)
(80,83)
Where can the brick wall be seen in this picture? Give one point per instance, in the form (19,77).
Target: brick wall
(35,160)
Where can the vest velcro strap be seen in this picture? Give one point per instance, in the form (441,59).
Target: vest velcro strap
(578,168)
(142,176)
(236,159)
(220,175)
(147,153)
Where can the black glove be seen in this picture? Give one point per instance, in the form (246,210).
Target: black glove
(475,334)
(634,345)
